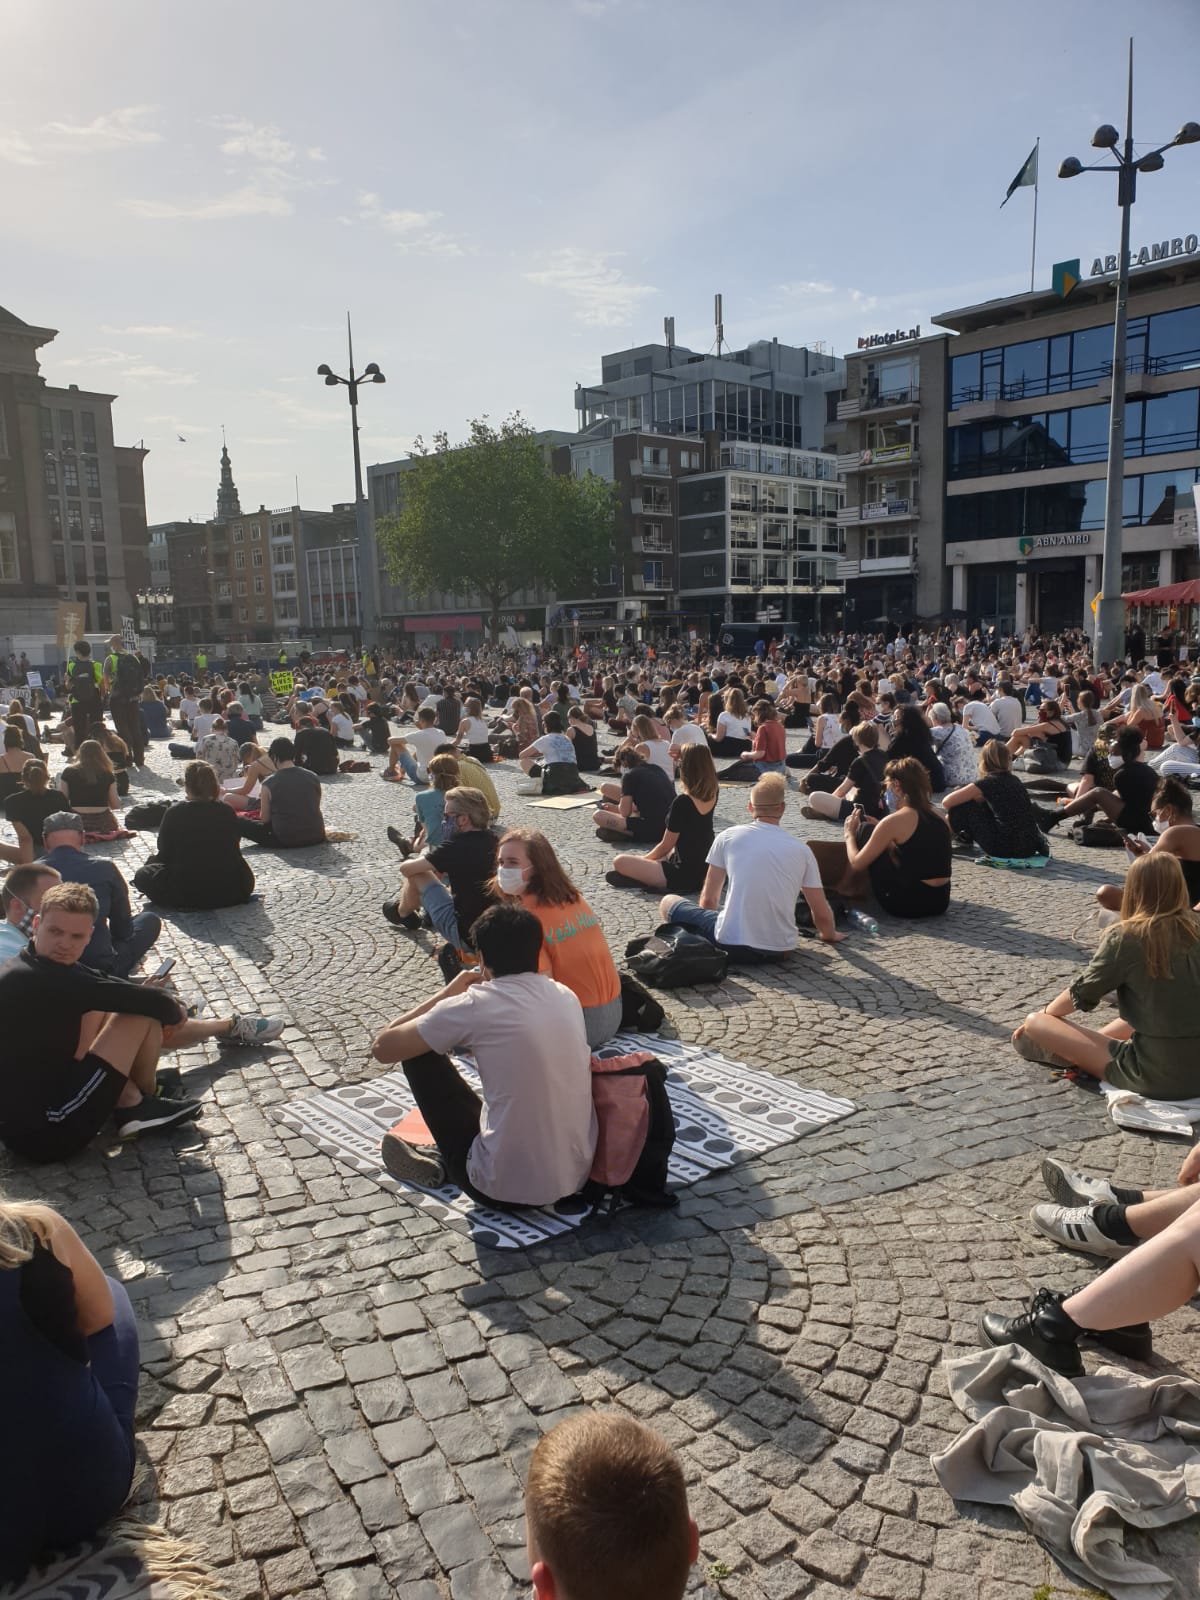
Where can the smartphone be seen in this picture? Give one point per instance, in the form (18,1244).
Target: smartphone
(163,968)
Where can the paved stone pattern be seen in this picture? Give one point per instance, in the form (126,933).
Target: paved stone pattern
(340,1395)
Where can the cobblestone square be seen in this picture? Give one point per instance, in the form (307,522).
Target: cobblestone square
(340,1395)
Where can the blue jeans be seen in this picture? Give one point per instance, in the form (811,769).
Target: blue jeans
(409,768)
(697,920)
(182,752)
(439,903)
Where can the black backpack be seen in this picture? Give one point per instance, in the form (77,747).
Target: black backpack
(673,958)
(129,680)
(82,680)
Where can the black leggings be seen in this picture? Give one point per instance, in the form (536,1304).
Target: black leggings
(452,1111)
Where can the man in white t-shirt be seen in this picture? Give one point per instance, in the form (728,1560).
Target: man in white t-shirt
(531,1139)
(413,753)
(1007,709)
(764,871)
(979,718)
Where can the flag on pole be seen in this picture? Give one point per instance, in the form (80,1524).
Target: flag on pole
(1027,176)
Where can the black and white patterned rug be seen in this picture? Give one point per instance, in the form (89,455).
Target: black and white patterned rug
(723,1111)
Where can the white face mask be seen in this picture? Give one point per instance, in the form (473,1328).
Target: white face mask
(511,880)
(1161,824)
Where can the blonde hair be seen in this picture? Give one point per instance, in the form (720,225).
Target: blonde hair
(444,771)
(1156,908)
(472,804)
(994,757)
(770,792)
(22,1225)
(77,899)
(865,735)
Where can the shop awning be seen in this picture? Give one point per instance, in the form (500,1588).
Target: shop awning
(1171,594)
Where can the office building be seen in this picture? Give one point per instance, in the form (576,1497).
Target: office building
(715,457)
(975,460)
(72,501)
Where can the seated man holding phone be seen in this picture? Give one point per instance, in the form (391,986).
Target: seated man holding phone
(79,1047)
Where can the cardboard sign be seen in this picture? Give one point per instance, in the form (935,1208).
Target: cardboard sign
(34,680)
(281,683)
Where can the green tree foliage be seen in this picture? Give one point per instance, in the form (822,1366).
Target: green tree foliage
(489,517)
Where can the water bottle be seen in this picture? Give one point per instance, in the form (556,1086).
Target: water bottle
(861,921)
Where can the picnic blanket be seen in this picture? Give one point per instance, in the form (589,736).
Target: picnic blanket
(1134,1111)
(723,1110)
(1079,1460)
(1016,862)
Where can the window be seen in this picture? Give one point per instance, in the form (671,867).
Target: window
(79,567)
(260,613)
(256,558)
(74,519)
(284,583)
(1173,344)
(652,573)
(238,534)
(1150,499)
(47,422)
(96,522)
(287,610)
(50,475)
(91,472)
(100,565)
(88,420)
(689,460)
(3,436)
(241,587)
(1025,368)
(239,558)
(1164,423)
(284,555)
(66,429)
(281,530)
(1013,513)
(60,566)
(70,477)
(9,568)
(260,586)
(103,613)
(243,614)
(256,530)
(224,589)
(56,521)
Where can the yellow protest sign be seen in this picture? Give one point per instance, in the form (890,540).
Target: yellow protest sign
(281,683)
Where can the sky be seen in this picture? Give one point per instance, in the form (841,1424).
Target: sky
(500,191)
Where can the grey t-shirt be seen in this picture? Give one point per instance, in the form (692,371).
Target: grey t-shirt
(295,806)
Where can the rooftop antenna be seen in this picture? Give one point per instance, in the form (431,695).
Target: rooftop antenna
(669,333)
(717,318)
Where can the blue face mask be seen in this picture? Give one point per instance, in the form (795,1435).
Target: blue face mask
(889,799)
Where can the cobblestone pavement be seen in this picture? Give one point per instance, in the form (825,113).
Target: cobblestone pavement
(341,1395)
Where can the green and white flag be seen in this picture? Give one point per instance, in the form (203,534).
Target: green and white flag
(1028,175)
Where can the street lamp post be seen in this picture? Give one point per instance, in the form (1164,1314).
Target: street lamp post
(1110,612)
(369,374)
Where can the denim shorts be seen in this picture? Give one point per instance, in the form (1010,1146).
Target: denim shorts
(439,903)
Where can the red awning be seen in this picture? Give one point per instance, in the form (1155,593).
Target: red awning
(1172,594)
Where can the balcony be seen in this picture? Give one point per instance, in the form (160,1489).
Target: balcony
(877,511)
(876,402)
(651,546)
(893,455)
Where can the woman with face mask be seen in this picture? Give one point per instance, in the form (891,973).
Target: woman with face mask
(575,952)
(904,859)
(1178,836)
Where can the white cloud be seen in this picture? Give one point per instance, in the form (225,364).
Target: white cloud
(113,130)
(151,330)
(248,201)
(16,148)
(262,143)
(304,416)
(97,356)
(414,231)
(604,297)
(153,374)
(315,153)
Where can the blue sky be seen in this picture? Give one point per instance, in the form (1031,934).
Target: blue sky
(501,190)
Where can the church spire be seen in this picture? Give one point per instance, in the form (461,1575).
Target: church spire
(228,504)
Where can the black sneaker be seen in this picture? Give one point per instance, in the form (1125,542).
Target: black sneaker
(412,1163)
(402,844)
(169,1082)
(391,912)
(1047,818)
(153,1112)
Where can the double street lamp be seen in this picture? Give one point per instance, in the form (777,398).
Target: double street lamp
(369,374)
(1110,611)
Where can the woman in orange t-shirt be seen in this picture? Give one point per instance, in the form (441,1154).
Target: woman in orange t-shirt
(575,952)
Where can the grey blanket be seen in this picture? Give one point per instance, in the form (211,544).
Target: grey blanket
(1079,1460)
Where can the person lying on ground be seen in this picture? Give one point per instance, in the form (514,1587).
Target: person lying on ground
(606,1513)
(68,1388)
(530,1138)
(80,1047)
(575,952)
(763,871)
(1151,960)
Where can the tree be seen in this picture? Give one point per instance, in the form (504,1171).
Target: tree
(491,518)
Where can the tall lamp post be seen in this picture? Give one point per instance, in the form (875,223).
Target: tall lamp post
(369,374)
(1110,612)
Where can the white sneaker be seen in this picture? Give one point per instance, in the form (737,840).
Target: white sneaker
(254,1030)
(1071,1188)
(1073,1227)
